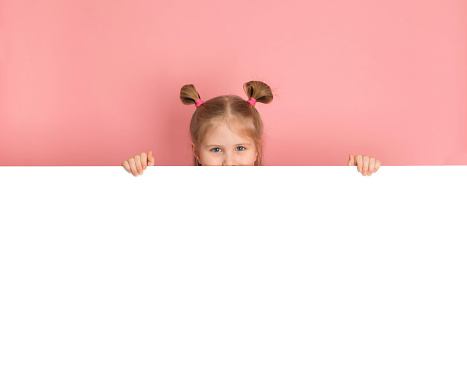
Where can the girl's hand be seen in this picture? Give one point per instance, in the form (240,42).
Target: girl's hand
(367,164)
(138,163)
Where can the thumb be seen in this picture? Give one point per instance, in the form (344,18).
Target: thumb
(351,160)
(150,159)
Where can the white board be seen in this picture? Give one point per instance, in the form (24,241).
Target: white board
(233,268)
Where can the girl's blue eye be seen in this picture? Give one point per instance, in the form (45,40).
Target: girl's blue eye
(216,151)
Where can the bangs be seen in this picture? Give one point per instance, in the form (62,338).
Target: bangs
(243,128)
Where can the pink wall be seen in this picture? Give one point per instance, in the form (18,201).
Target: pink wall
(94,82)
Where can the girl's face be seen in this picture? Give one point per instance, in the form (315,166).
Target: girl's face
(223,147)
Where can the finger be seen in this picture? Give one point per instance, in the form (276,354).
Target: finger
(377,165)
(366,161)
(150,159)
(371,167)
(138,164)
(358,158)
(351,160)
(133,166)
(144,160)
(126,165)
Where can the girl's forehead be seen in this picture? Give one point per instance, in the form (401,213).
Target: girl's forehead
(222,132)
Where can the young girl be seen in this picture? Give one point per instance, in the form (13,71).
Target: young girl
(227,131)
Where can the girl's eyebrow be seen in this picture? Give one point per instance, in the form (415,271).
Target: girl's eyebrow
(222,146)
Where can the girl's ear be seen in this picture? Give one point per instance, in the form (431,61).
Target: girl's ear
(193,148)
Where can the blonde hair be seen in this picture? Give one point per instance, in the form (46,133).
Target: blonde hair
(229,108)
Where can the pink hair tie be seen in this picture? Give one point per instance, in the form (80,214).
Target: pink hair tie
(252,101)
(198,102)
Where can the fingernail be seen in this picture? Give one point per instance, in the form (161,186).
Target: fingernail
(144,167)
(364,172)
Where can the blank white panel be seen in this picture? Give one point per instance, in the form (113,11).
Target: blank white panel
(233,268)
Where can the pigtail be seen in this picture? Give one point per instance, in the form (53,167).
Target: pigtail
(189,95)
(259,91)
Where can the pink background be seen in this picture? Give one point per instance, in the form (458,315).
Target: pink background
(89,82)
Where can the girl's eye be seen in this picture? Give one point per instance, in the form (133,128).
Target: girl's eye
(242,148)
